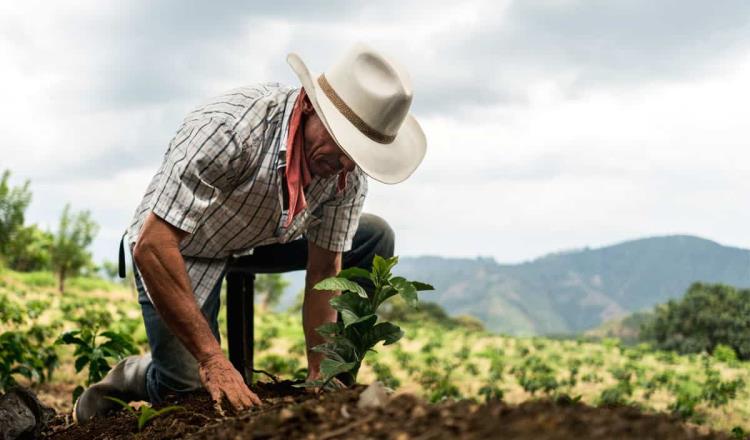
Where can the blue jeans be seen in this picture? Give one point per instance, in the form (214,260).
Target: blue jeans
(174,370)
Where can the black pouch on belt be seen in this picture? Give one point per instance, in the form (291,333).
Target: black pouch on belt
(121,257)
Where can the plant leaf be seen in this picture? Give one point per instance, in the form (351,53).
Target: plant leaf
(352,302)
(382,267)
(77,393)
(330,368)
(420,286)
(81,362)
(353,319)
(385,292)
(329,349)
(354,272)
(310,384)
(122,403)
(151,414)
(384,331)
(329,330)
(341,284)
(71,337)
(119,342)
(145,415)
(406,290)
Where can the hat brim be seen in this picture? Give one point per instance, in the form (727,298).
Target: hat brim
(388,163)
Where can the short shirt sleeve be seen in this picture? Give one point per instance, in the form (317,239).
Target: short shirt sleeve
(196,170)
(340,216)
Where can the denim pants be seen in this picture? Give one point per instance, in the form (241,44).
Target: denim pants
(174,370)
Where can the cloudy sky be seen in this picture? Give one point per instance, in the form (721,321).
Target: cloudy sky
(551,124)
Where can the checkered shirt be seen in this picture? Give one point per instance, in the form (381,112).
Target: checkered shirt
(220,181)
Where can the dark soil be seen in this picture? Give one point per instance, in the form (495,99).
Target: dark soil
(289,413)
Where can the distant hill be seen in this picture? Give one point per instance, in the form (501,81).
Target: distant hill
(570,292)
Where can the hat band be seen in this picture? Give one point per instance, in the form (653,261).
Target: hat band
(352,117)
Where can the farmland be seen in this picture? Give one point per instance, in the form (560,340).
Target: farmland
(439,363)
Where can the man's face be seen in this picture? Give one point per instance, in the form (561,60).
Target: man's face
(323,155)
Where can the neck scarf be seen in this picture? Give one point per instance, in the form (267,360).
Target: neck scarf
(297,172)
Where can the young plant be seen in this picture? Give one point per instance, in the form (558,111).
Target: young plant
(492,393)
(534,375)
(24,350)
(438,384)
(145,413)
(358,329)
(384,374)
(89,352)
(18,357)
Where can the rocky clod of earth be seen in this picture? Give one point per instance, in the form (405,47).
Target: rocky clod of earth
(290,413)
(22,415)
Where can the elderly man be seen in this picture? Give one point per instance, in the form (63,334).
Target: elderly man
(272,171)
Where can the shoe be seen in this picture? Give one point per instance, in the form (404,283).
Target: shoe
(125,381)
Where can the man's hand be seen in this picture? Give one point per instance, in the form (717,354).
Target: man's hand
(223,381)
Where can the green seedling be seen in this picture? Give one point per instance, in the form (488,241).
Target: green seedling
(492,393)
(358,330)
(24,350)
(89,352)
(145,413)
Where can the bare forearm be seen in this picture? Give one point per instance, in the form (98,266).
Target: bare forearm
(163,272)
(316,311)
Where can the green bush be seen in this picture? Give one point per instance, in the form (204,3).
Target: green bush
(25,350)
(725,353)
(98,356)
(534,375)
(358,330)
(708,315)
(29,249)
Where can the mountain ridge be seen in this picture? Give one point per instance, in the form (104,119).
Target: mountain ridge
(575,290)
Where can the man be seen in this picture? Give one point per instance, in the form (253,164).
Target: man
(273,172)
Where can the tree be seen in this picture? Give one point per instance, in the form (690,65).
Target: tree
(74,235)
(29,249)
(271,287)
(708,315)
(13,204)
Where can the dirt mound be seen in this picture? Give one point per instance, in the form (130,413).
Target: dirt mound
(289,414)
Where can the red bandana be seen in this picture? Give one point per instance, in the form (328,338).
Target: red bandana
(297,169)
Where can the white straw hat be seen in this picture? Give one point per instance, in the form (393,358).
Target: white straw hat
(363,100)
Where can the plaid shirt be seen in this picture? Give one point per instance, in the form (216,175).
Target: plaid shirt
(220,181)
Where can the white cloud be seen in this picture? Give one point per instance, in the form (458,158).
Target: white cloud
(560,173)
(548,129)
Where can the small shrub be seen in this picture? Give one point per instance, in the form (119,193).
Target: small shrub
(491,393)
(359,331)
(725,353)
(717,392)
(535,375)
(384,374)
(688,394)
(89,352)
(614,396)
(21,357)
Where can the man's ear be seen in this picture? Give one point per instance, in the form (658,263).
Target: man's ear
(307,107)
